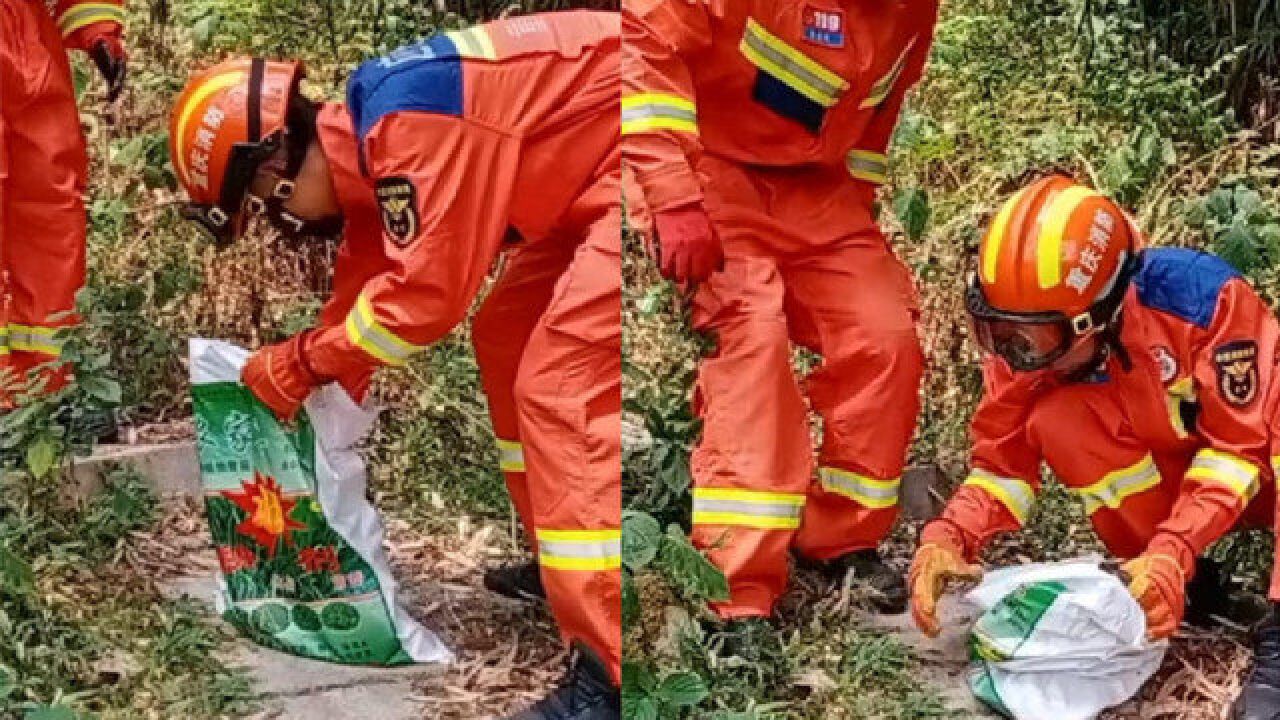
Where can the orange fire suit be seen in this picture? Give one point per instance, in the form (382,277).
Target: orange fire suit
(1166,456)
(777,116)
(445,150)
(43,164)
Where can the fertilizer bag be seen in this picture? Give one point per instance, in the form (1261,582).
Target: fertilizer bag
(300,548)
(1062,641)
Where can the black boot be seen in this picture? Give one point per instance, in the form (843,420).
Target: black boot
(520,582)
(1260,698)
(889,588)
(587,693)
(1208,594)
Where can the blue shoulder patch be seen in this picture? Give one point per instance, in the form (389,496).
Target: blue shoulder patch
(426,77)
(1184,283)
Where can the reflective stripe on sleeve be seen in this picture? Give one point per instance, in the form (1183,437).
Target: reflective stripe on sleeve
(589,550)
(85,14)
(862,489)
(869,166)
(510,455)
(364,331)
(474,42)
(1224,468)
(747,508)
(658,111)
(1015,494)
(880,91)
(33,339)
(1117,486)
(790,66)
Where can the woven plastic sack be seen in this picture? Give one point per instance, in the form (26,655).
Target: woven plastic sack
(1063,641)
(300,548)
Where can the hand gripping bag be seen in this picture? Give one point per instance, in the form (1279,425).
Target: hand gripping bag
(303,569)
(1059,641)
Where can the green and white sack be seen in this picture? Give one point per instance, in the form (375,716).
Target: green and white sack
(300,547)
(1062,640)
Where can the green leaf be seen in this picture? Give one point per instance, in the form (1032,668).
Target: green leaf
(630,601)
(42,455)
(104,390)
(641,539)
(51,713)
(16,577)
(683,689)
(689,570)
(911,205)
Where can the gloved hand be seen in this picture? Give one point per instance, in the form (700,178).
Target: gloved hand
(933,567)
(687,248)
(1158,582)
(280,376)
(107,51)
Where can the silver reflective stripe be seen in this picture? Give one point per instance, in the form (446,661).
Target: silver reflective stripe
(755,42)
(374,334)
(651,110)
(592,549)
(861,165)
(1114,488)
(716,505)
(510,455)
(1016,494)
(869,491)
(1238,474)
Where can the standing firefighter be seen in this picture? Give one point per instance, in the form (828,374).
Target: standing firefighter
(42,175)
(505,132)
(1143,378)
(756,133)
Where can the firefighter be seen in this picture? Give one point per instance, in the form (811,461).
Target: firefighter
(43,164)
(756,135)
(1142,378)
(499,137)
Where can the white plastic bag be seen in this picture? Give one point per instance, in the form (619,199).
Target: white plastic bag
(300,547)
(1058,641)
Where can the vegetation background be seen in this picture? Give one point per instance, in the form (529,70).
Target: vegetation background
(1171,107)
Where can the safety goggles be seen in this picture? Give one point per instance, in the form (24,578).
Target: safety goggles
(1034,341)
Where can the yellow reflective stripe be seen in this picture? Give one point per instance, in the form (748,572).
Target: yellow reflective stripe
(791,66)
(202,93)
(86,14)
(589,550)
(995,237)
(881,89)
(365,332)
(510,455)
(1236,473)
(1179,392)
(34,339)
(474,42)
(869,166)
(1053,227)
(747,508)
(1015,494)
(863,489)
(1117,486)
(1275,465)
(658,111)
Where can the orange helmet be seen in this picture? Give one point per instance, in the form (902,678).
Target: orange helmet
(228,121)
(1054,266)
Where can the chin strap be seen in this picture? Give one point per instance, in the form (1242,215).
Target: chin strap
(300,133)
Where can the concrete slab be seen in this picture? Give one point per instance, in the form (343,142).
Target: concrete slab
(172,469)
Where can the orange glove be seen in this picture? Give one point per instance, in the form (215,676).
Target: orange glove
(280,376)
(933,567)
(1158,582)
(687,248)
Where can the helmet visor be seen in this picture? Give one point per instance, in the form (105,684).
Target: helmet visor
(1028,342)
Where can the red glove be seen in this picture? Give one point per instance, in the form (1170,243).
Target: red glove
(280,376)
(107,51)
(1158,582)
(687,248)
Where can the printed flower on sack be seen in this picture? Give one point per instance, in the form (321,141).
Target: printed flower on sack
(319,559)
(235,558)
(268,511)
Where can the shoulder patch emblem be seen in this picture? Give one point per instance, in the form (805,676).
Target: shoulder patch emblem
(398,201)
(824,27)
(1237,364)
(1167,363)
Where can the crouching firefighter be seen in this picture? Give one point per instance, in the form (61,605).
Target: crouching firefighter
(1143,379)
(43,168)
(443,151)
